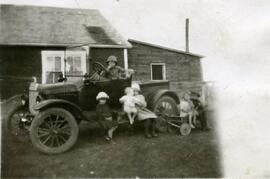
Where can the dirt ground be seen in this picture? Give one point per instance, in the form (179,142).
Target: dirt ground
(169,155)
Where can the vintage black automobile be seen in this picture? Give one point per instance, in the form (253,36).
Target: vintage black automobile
(51,113)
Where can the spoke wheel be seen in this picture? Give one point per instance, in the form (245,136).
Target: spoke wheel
(19,123)
(54,130)
(165,106)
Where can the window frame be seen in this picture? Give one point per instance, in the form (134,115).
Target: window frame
(163,71)
(62,54)
(82,54)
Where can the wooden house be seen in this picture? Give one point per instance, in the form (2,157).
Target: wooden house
(158,63)
(35,41)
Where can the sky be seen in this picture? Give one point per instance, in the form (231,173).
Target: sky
(234,37)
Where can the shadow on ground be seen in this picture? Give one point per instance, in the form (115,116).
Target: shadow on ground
(168,155)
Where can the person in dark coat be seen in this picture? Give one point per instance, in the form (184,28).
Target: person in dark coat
(113,71)
(201,111)
(104,115)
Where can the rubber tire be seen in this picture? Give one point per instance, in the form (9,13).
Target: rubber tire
(169,99)
(8,124)
(65,147)
(185,129)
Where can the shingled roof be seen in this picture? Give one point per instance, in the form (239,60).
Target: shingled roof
(51,26)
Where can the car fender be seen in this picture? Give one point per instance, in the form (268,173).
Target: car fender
(153,97)
(71,107)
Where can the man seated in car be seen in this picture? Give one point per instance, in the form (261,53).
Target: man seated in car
(113,71)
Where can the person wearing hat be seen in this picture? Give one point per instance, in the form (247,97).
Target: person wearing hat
(113,71)
(198,106)
(104,115)
(144,114)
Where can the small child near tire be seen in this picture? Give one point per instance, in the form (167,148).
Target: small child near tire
(104,115)
(187,109)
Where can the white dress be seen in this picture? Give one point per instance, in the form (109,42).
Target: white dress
(143,112)
(185,108)
(129,104)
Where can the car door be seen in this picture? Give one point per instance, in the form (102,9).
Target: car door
(117,90)
(114,88)
(87,97)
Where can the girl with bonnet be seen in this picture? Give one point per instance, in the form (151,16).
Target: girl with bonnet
(104,115)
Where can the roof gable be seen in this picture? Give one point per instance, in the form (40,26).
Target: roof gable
(50,26)
(164,48)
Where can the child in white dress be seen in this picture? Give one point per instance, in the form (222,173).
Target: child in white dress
(129,104)
(187,109)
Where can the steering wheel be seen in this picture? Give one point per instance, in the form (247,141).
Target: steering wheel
(98,67)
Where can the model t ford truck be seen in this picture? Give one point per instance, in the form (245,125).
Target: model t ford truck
(51,113)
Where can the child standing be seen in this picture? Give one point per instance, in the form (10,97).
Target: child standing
(104,115)
(129,104)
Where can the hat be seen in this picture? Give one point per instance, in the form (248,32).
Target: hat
(136,86)
(102,95)
(112,59)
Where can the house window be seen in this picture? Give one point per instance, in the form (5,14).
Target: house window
(158,71)
(75,64)
(53,64)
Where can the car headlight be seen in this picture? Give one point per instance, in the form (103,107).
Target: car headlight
(23,102)
(38,99)
(24,99)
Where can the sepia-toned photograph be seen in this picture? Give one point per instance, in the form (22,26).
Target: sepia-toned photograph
(134,89)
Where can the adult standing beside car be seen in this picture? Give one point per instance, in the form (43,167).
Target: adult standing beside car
(145,114)
(113,71)
(198,106)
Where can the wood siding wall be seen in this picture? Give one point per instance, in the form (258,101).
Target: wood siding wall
(182,70)
(18,65)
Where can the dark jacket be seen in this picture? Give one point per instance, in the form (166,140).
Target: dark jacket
(114,72)
(197,104)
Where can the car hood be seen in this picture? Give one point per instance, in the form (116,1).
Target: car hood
(63,87)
